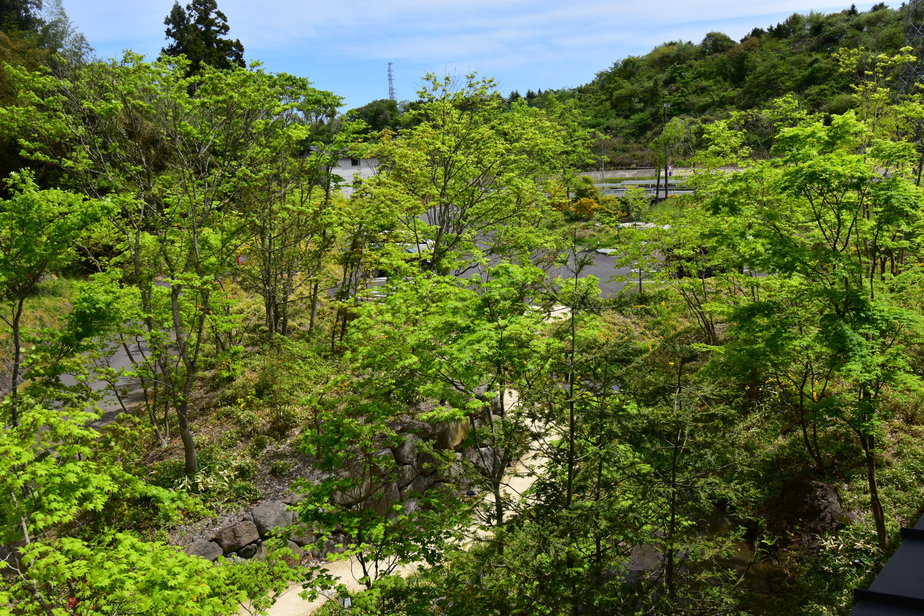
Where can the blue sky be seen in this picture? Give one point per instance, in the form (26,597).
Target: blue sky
(345,46)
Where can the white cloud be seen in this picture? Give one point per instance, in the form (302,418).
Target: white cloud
(535,39)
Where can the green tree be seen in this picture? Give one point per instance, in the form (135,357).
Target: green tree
(38,234)
(22,15)
(378,115)
(470,175)
(845,238)
(182,169)
(60,476)
(199,32)
(286,204)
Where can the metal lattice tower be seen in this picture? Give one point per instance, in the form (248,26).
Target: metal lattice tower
(913,72)
(391,83)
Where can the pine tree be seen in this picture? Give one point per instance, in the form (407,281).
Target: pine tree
(198,32)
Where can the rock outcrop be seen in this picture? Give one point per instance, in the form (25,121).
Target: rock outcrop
(233,538)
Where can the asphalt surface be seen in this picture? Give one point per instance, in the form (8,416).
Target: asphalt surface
(127,393)
(602,266)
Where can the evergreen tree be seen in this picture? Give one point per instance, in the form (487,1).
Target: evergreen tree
(22,15)
(198,32)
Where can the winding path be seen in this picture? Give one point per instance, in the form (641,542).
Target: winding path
(516,482)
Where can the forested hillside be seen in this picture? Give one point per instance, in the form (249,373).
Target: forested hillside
(708,80)
(703,81)
(222,374)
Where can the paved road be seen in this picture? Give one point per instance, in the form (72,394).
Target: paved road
(604,268)
(129,389)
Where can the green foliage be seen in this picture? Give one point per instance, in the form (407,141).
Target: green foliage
(469,167)
(636,202)
(720,76)
(198,34)
(778,336)
(120,574)
(379,115)
(39,233)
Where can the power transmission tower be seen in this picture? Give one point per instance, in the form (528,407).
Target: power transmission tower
(391,83)
(914,38)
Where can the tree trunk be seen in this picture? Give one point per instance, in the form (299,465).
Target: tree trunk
(17,360)
(191,463)
(658,185)
(314,307)
(869,449)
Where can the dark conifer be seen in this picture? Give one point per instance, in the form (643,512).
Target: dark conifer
(20,15)
(199,32)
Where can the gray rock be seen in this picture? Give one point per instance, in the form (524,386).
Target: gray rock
(302,536)
(643,563)
(407,452)
(335,544)
(209,550)
(425,464)
(410,506)
(233,538)
(416,427)
(294,498)
(272,515)
(451,435)
(356,494)
(805,505)
(248,551)
(406,474)
(805,510)
(384,460)
(488,460)
(297,552)
(419,485)
(382,502)
(455,470)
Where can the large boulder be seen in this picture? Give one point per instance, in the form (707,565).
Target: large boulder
(406,453)
(383,501)
(421,429)
(419,486)
(352,496)
(410,506)
(805,509)
(248,551)
(643,563)
(298,554)
(451,435)
(487,459)
(272,515)
(233,538)
(406,474)
(209,550)
(302,535)
(426,464)
(384,461)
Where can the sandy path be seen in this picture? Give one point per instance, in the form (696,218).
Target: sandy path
(521,476)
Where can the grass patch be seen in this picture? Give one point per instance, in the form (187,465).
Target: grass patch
(47,307)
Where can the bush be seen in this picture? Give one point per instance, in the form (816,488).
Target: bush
(281,466)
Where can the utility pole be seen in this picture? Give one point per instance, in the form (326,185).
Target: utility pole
(912,72)
(914,37)
(391,83)
(602,176)
(667,164)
